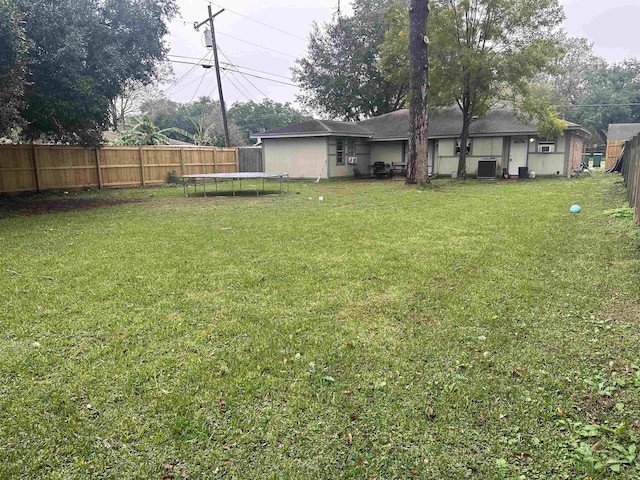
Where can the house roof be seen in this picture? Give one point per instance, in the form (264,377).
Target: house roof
(316,128)
(395,126)
(622,131)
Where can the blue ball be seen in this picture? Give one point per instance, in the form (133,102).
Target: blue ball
(575,209)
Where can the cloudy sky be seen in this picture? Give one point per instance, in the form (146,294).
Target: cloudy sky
(262,38)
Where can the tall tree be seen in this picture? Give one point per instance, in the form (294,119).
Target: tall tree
(83,53)
(483,53)
(252,117)
(133,95)
(340,76)
(417,170)
(199,121)
(571,78)
(613,97)
(13,47)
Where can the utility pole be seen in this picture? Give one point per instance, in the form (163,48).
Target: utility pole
(227,142)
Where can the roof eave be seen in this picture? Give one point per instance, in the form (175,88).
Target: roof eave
(316,134)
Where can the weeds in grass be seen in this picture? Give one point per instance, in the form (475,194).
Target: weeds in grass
(468,331)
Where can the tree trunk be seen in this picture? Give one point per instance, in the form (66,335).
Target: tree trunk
(419,88)
(464,137)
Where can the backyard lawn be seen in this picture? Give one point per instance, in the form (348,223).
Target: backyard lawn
(466,331)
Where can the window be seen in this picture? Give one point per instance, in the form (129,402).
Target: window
(546,145)
(351,147)
(457,148)
(340,151)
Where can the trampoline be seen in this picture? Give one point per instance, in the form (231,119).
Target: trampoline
(233,177)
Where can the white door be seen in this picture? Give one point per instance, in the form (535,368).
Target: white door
(517,154)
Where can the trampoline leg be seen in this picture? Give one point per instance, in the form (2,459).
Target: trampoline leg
(204,186)
(184,187)
(233,186)
(216,185)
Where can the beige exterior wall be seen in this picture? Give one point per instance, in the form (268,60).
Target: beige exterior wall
(387,152)
(299,157)
(548,163)
(363,152)
(446,160)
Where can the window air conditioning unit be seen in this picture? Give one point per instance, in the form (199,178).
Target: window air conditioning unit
(546,147)
(352,160)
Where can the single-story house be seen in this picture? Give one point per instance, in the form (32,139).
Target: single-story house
(331,149)
(617,134)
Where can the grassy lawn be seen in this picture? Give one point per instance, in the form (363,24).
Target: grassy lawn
(471,330)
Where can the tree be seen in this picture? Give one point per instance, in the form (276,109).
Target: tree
(13,46)
(82,55)
(340,76)
(199,121)
(571,78)
(419,89)
(252,117)
(613,96)
(483,53)
(144,132)
(133,94)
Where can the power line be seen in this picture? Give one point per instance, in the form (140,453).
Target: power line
(258,45)
(190,24)
(248,81)
(199,85)
(174,84)
(230,69)
(244,92)
(257,21)
(237,66)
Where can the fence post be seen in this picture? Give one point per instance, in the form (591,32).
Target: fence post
(182,161)
(215,160)
(35,167)
(141,158)
(97,154)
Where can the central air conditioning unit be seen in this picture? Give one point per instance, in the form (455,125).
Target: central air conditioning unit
(352,160)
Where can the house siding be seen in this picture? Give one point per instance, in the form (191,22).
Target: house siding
(548,163)
(482,148)
(387,152)
(299,157)
(363,153)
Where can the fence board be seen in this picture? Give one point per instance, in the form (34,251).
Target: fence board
(17,169)
(250,159)
(49,167)
(614,148)
(631,175)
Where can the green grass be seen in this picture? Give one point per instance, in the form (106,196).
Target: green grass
(469,330)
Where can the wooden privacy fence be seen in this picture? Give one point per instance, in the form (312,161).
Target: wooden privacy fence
(614,148)
(26,168)
(250,159)
(631,174)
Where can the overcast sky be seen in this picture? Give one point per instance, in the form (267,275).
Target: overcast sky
(268,35)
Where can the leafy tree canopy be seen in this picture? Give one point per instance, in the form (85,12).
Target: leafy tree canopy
(481,53)
(144,132)
(13,47)
(252,117)
(613,92)
(340,76)
(199,122)
(81,55)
